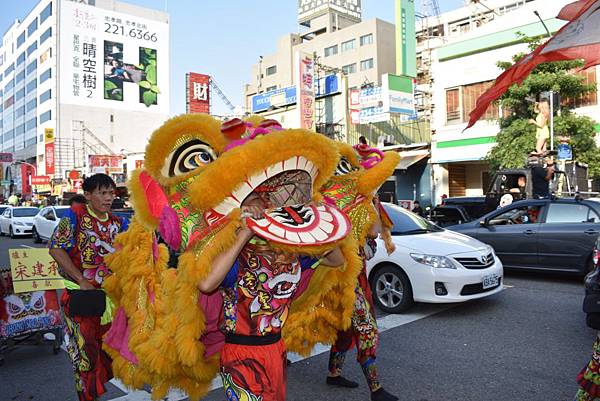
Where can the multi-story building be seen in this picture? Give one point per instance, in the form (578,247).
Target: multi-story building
(78,79)
(459,66)
(334,32)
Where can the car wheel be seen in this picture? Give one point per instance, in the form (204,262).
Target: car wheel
(391,289)
(36,236)
(10,232)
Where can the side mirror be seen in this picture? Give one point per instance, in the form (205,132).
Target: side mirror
(483,223)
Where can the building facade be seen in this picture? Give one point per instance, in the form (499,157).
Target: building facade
(81,79)
(463,66)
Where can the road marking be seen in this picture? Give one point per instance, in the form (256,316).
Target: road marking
(384,323)
(27,246)
(509,286)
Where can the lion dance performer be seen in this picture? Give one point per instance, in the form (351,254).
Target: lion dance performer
(352,189)
(236,208)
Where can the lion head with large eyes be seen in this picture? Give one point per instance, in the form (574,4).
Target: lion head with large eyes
(197,174)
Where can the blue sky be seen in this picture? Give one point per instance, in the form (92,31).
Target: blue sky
(222,38)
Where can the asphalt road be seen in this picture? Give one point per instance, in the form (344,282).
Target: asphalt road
(526,343)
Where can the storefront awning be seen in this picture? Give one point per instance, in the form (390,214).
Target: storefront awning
(410,157)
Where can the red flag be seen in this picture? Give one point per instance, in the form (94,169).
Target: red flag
(570,11)
(580,38)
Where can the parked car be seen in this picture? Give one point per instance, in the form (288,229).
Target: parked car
(430,264)
(17,220)
(542,235)
(448,215)
(46,221)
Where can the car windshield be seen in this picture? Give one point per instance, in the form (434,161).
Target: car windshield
(25,212)
(2,209)
(61,212)
(406,222)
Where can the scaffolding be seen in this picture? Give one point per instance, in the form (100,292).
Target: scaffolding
(72,152)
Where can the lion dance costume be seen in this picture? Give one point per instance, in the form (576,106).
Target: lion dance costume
(197,172)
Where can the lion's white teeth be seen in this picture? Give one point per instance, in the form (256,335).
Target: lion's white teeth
(290,164)
(278,231)
(292,236)
(326,226)
(306,238)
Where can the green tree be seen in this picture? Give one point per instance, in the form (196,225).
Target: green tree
(517,137)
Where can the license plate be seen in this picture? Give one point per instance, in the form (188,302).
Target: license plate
(489,281)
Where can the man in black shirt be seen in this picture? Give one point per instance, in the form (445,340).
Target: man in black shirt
(418,209)
(541,177)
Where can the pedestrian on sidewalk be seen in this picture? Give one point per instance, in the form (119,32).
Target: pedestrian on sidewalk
(84,236)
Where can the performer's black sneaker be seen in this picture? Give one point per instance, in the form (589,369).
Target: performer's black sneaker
(341,382)
(382,395)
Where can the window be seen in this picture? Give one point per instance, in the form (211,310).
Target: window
(20,76)
(44,36)
(31,124)
(32,67)
(271,70)
(9,85)
(452,105)
(571,213)
(330,51)
(31,142)
(366,64)
(45,96)
(366,39)
(20,111)
(405,222)
(31,105)
(32,48)
(46,12)
(348,45)
(20,94)
(45,55)
(21,39)
(271,88)
(20,129)
(587,99)
(349,69)
(518,215)
(21,59)
(31,85)
(10,69)
(470,94)
(9,134)
(44,76)
(45,116)
(32,27)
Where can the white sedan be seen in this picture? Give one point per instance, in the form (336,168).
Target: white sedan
(46,221)
(17,220)
(430,265)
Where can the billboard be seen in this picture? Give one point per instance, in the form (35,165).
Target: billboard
(113,60)
(198,93)
(374,104)
(325,86)
(305,89)
(406,41)
(49,157)
(105,164)
(400,96)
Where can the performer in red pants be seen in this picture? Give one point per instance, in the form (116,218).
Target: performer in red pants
(362,333)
